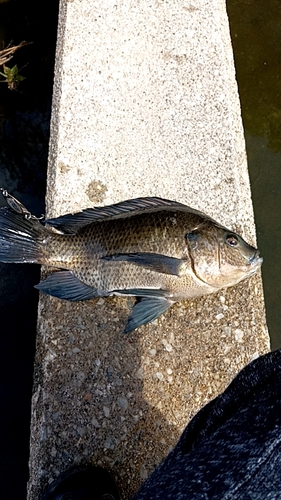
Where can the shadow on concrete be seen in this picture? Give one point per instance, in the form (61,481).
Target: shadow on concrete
(94,390)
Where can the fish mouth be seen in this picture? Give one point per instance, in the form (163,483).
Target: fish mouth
(256,260)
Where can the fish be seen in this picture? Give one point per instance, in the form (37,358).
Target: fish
(156,250)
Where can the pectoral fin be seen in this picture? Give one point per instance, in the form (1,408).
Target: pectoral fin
(145,310)
(156,262)
(64,285)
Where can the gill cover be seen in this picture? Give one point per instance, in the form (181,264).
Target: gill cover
(219,256)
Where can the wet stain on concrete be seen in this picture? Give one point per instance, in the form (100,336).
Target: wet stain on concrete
(64,169)
(96,191)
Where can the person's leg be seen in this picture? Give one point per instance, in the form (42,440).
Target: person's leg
(232,448)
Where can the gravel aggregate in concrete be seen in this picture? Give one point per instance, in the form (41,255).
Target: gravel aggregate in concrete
(145,104)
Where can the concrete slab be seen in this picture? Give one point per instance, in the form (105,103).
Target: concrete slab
(145,103)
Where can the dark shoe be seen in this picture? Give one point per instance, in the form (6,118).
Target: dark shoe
(82,483)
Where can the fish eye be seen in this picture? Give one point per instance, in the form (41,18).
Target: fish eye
(232,240)
(192,236)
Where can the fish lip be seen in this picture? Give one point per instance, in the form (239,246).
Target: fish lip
(256,259)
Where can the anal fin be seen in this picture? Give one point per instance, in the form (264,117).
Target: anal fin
(64,285)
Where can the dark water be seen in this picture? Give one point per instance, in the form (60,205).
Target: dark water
(24,134)
(25,113)
(256,36)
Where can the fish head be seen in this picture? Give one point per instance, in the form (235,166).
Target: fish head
(220,257)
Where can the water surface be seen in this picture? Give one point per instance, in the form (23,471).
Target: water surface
(256,38)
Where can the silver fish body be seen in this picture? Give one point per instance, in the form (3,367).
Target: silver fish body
(157,250)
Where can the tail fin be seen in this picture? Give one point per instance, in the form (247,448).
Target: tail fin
(19,237)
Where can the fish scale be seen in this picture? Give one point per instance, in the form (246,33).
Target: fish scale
(101,239)
(159,251)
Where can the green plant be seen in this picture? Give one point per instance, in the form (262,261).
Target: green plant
(11,77)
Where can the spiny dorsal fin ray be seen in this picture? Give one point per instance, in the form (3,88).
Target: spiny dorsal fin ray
(71,223)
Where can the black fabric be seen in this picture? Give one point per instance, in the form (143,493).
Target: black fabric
(232,447)
(82,483)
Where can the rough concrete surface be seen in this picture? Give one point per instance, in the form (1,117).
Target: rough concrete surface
(145,104)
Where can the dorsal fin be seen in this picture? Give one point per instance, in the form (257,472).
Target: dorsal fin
(71,223)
